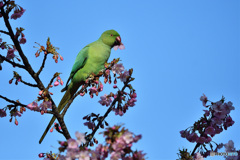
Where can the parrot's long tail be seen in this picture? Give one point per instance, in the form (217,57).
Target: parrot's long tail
(67,96)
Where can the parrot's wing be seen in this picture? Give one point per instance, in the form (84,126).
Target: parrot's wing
(78,64)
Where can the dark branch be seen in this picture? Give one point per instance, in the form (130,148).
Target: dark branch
(29,84)
(28,67)
(12,101)
(12,63)
(43,64)
(4,32)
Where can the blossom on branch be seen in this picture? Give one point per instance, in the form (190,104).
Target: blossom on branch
(17,13)
(117,68)
(3,113)
(105,100)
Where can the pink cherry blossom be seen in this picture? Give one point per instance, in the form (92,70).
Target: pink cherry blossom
(228,107)
(92,90)
(184,133)
(3,113)
(40,155)
(192,137)
(199,156)
(216,120)
(201,140)
(217,106)
(84,155)
(56,83)
(136,138)
(72,144)
(131,102)
(210,130)
(45,105)
(105,100)
(118,111)
(204,100)
(121,47)
(229,147)
(32,106)
(17,13)
(107,72)
(123,76)
(119,145)
(229,122)
(117,68)
(22,40)
(115,155)
(100,87)
(128,137)
(80,138)
(218,129)
(139,155)
(219,114)
(10,54)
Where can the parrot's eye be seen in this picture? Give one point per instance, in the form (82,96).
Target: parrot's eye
(111,34)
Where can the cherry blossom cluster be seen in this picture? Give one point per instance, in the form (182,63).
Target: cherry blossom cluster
(14,112)
(50,49)
(229,147)
(8,6)
(214,120)
(42,108)
(58,81)
(122,96)
(19,31)
(119,142)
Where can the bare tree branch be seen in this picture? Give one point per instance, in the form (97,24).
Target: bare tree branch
(12,101)
(43,64)
(4,32)
(29,84)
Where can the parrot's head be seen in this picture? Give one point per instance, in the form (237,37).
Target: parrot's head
(112,39)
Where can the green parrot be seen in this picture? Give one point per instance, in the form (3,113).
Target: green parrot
(90,59)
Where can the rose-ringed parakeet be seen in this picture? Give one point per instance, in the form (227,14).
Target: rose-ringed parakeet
(90,59)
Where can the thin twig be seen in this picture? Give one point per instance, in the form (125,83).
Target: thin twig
(5,32)
(51,81)
(12,101)
(29,84)
(12,63)
(43,64)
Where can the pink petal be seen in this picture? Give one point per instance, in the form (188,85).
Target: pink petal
(121,47)
(115,47)
(56,83)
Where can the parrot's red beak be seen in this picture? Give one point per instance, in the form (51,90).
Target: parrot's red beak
(119,39)
(118,44)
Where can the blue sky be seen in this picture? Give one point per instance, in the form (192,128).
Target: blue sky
(178,50)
